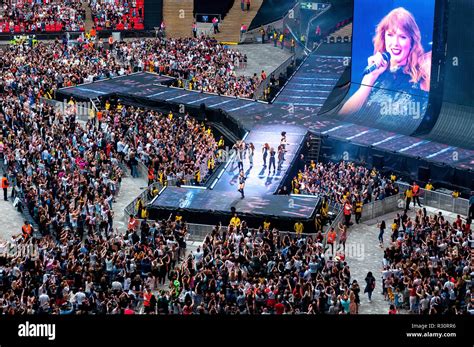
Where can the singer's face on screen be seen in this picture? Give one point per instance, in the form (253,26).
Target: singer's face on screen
(398,44)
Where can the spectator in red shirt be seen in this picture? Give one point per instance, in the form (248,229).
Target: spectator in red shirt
(279,307)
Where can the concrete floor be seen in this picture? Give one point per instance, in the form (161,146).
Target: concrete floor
(12,220)
(261,57)
(130,189)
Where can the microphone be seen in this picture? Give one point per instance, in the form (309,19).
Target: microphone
(373,67)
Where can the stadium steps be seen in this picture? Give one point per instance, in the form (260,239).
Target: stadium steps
(314,148)
(178,17)
(230,26)
(229,135)
(342,32)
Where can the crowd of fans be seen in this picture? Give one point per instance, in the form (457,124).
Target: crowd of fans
(261,271)
(93,275)
(117,14)
(342,181)
(69,174)
(42,16)
(69,15)
(427,265)
(198,64)
(205,64)
(173,148)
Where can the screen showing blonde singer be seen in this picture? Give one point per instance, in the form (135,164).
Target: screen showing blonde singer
(391,61)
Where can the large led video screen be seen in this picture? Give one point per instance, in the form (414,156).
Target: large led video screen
(391,64)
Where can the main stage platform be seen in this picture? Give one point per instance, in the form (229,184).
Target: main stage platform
(217,200)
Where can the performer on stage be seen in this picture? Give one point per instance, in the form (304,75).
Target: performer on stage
(405,69)
(242,179)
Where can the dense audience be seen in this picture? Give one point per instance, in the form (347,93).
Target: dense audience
(174,148)
(117,14)
(93,275)
(237,271)
(68,175)
(247,271)
(342,181)
(427,267)
(207,65)
(42,16)
(198,63)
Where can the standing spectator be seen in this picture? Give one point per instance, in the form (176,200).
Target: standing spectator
(382,227)
(243,29)
(215,24)
(347,210)
(331,238)
(262,33)
(370,285)
(358,209)
(163,28)
(416,194)
(408,196)
(429,185)
(298,228)
(195,29)
(248,5)
(132,223)
(342,237)
(5,187)
(26,231)
(242,5)
(318,34)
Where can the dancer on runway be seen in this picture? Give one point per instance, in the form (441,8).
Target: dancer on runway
(251,149)
(265,149)
(242,179)
(272,160)
(281,156)
(239,155)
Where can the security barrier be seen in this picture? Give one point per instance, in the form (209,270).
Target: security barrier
(440,200)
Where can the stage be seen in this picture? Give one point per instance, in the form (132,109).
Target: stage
(145,88)
(217,199)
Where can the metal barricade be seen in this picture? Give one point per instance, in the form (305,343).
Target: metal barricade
(438,200)
(379,208)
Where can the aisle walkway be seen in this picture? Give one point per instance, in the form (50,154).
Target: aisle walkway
(130,189)
(12,220)
(89,23)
